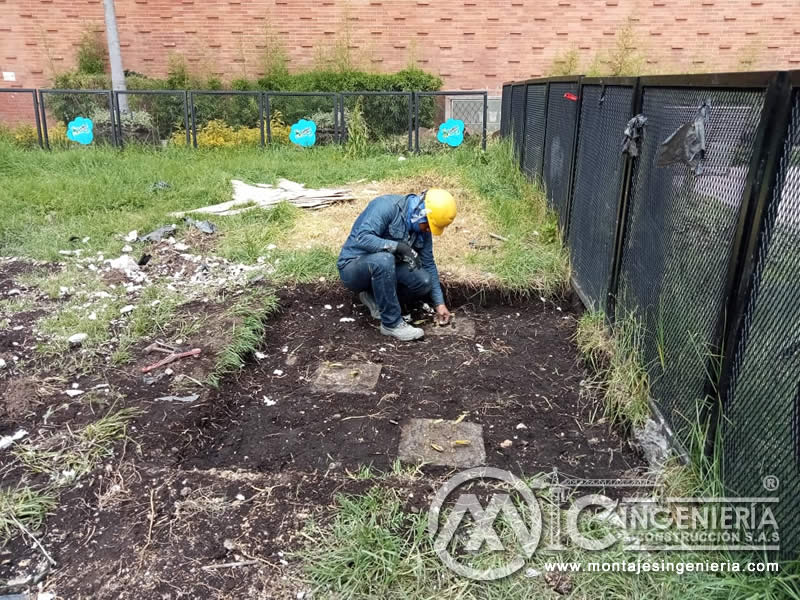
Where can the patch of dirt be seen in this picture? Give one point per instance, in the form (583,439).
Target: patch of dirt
(518,377)
(234,476)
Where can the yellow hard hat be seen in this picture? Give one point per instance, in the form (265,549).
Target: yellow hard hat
(441,208)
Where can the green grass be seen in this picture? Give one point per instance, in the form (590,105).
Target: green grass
(250,314)
(373,547)
(103,193)
(23,509)
(620,374)
(67,455)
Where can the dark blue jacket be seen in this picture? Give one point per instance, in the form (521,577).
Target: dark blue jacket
(380,227)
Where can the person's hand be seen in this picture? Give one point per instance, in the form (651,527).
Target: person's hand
(443,315)
(405,251)
(407,254)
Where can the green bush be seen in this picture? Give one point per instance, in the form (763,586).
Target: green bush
(384,115)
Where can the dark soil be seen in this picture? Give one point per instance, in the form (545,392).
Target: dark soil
(230,478)
(519,378)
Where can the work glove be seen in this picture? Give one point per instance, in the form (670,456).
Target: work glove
(407,255)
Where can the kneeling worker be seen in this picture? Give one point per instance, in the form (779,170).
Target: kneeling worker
(388,257)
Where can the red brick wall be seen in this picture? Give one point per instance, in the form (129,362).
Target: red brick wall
(469,43)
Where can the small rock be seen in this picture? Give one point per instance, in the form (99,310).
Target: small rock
(181,247)
(185,491)
(73,393)
(127,248)
(260,355)
(346,320)
(126,309)
(168,371)
(506,444)
(277,372)
(240,497)
(227,542)
(401,158)
(123,263)
(269,402)
(522,426)
(2,364)
(92,316)
(18,328)
(77,339)
(328,307)
(13,292)
(75,386)
(132,236)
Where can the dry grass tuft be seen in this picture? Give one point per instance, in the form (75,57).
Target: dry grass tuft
(330,227)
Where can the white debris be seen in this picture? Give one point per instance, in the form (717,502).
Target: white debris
(126,309)
(240,497)
(168,371)
(77,339)
(18,328)
(346,320)
(123,263)
(531,572)
(260,355)
(269,402)
(285,349)
(506,444)
(271,247)
(13,292)
(92,316)
(181,247)
(73,393)
(7,440)
(75,386)
(328,307)
(2,364)
(85,240)
(401,158)
(277,372)
(522,426)
(340,306)
(127,248)
(132,236)
(480,348)
(45,596)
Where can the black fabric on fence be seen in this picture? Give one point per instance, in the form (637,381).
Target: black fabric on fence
(535,121)
(562,112)
(761,429)
(598,186)
(680,233)
(518,117)
(505,111)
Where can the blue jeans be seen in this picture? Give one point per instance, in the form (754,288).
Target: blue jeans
(388,281)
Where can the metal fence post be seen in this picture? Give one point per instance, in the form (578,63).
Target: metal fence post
(410,121)
(524,125)
(485,116)
(622,213)
(113,118)
(574,161)
(43,110)
(758,190)
(540,166)
(194,119)
(37,118)
(261,119)
(269,117)
(416,122)
(116,111)
(186,117)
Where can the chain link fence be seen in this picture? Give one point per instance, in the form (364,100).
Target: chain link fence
(698,241)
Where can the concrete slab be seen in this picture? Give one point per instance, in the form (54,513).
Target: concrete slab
(461,326)
(419,436)
(348,377)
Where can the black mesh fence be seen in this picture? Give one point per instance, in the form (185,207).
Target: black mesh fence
(761,429)
(562,111)
(19,116)
(152,117)
(505,111)
(598,184)
(518,117)
(535,121)
(680,234)
(77,118)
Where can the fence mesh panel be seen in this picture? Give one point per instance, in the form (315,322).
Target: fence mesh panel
(517,117)
(535,121)
(505,111)
(561,119)
(680,232)
(598,185)
(762,425)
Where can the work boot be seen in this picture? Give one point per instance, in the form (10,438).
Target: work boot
(368,300)
(403,331)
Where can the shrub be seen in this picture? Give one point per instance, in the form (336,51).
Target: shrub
(218,134)
(91,55)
